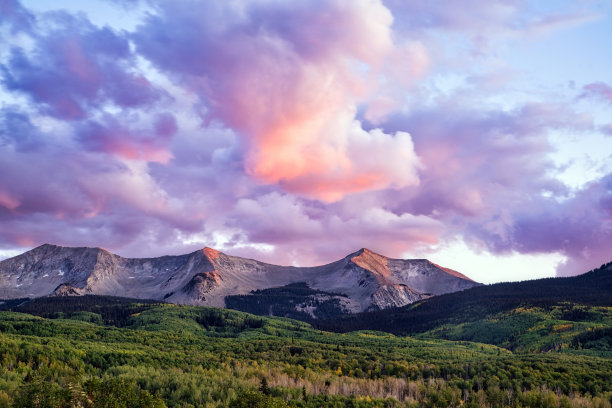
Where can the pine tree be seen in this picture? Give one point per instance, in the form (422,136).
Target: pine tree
(263,387)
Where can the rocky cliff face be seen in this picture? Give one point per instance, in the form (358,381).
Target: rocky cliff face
(365,280)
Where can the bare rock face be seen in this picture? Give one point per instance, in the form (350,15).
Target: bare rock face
(39,271)
(364,279)
(395,295)
(201,284)
(65,290)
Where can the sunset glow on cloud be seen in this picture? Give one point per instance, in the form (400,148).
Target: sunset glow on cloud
(299,132)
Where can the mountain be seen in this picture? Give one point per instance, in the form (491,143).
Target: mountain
(360,281)
(526,316)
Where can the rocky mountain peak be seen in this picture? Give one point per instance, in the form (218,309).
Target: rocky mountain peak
(373,262)
(211,253)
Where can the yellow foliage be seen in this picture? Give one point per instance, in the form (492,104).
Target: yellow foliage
(563,327)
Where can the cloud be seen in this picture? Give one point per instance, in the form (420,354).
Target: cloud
(489,177)
(301,232)
(473,158)
(110,136)
(598,90)
(53,190)
(289,81)
(579,227)
(13,14)
(74,67)
(18,131)
(470,15)
(472,18)
(606,129)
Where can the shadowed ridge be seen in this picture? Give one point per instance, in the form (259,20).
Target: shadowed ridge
(47,247)
(44,246)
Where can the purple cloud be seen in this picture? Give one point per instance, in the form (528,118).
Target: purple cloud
(16,16)
(109,136)
(488,178)
(470,158)
(75,67)
(18,131)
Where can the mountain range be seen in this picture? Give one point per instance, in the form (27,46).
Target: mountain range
(363,280)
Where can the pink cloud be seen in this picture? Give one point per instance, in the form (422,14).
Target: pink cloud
(289,82)
(8,201)
(599,90)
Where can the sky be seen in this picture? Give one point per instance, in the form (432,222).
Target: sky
(475,134)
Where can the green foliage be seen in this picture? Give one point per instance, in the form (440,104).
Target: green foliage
(87,317)
(251,399)
(113,393)
(118,393)
(182,356)
(539,329)
(42,394)
(598,339)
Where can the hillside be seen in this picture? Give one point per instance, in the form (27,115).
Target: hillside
(530,316)
(363,280)
(162,355)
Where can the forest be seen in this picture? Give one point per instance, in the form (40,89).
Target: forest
(94,351)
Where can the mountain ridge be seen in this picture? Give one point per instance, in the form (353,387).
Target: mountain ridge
(366,280)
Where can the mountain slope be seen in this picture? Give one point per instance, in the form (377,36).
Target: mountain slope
(530,315)
(51,269)
(365,279)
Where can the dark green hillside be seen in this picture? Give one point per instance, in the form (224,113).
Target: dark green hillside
(107,309)
(179,356)
(296,301)
(537,315)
